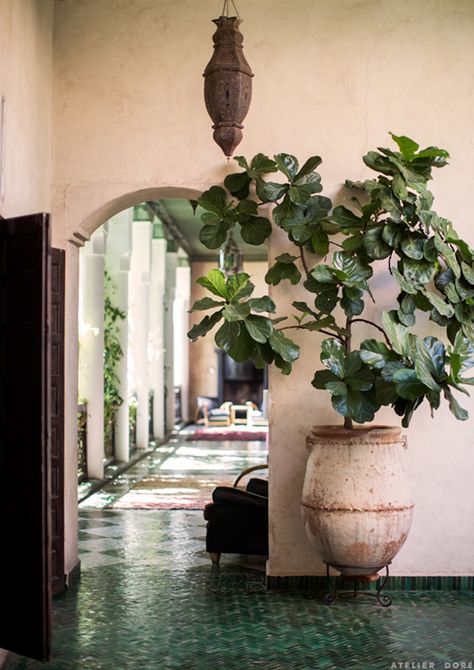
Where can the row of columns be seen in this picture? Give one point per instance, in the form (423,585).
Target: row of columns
(151,285)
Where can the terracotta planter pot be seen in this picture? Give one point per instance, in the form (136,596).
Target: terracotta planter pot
(356,504)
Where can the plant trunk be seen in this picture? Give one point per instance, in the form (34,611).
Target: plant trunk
(348,425)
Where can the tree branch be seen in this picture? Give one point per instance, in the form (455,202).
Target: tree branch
(371,323)
(303,260)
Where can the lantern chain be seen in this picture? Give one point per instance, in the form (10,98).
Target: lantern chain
(225,9)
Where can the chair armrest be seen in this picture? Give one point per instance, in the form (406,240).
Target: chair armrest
(232,497)
(258,486)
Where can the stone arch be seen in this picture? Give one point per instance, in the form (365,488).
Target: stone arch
(80,221)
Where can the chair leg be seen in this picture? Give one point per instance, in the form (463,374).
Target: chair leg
(215,557)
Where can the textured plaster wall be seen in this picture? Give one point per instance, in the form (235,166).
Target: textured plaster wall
(330,78)
(26,58)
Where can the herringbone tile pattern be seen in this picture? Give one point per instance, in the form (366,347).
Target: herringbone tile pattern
(151,601)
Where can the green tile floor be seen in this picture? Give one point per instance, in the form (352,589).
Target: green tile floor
(149,599)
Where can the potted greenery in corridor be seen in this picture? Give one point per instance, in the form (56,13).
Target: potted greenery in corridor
(389,221)
(112,356)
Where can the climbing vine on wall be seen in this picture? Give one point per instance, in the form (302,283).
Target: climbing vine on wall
(112,356)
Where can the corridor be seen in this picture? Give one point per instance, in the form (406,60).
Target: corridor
(149,599)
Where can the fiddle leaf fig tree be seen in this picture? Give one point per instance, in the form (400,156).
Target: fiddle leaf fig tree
(388,220)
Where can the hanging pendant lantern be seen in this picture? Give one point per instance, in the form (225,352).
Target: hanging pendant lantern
(230,257)
(228,83)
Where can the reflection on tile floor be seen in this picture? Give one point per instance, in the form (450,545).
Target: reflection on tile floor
(149,599)
(179,462)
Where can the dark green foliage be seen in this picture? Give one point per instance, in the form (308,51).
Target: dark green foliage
(112,355)
(388,218)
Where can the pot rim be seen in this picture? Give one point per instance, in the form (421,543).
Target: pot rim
(374,430)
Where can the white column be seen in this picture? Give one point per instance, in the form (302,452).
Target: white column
(139,298)
(122,429)
(156,335)
(181,327)
(91,348)
(119,244)
(170,284)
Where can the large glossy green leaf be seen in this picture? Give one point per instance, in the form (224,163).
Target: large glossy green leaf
(323,274)
(319,241)
(262,164)
(376,354)
(444,308)
(421,271)
(379,163)
(310,165)
(333,356)
(239,286)
(263,304)
(255,230)
(408,385)
(236,311)
(399,187)
(351,301)
(357,405)
(468,272)
(204,326)
(246,208)
(287,164)
(458,411)
(425,366)
(215,282)
(397,334)
(448,254)
(413,247)
(284,347)
(346,219)
(323,377)
(327,299)
(356,271)
(283,271)
(374,244)
(299,233)
(392,234)
(461,356)
(407,146)
(259,328)
(214,200)
(284,366)
(227,334)
(300,194)
(270,191)
(205,303)
(243,347)
(238,184)
(385,392)
(317,208)
(213,236)
(407,285)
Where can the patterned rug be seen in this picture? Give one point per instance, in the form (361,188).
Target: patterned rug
(172,492)
(223,434)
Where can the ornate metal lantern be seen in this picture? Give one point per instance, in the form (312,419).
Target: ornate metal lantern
(230,257)
(228,83)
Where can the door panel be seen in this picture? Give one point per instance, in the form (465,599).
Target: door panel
(25,587)
(57,420)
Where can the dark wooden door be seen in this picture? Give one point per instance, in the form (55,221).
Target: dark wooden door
(25,584)
(57,420)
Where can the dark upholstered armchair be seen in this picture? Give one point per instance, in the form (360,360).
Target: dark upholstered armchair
(237,520)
